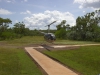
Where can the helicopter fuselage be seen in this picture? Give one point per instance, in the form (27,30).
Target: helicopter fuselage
(49,37)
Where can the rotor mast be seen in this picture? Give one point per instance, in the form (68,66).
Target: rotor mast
(49,26)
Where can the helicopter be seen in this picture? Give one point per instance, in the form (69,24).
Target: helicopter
(49,37)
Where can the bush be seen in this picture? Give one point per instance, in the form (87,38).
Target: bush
(61,34)
(7,35)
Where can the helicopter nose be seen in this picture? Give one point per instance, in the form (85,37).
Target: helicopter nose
(54,38)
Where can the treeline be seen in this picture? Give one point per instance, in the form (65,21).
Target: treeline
(17,31)
(87,28)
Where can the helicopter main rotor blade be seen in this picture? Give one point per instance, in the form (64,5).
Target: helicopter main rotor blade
(50,23)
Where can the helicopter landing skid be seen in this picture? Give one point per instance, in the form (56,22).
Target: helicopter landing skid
(47,47)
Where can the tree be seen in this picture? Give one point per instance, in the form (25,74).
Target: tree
(87,26)
(7,35)
(61,30)
(4,24)
(19,29)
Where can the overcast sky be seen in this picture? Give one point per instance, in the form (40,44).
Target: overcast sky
(42,12)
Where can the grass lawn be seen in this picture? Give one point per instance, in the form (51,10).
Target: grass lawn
(27,40)
(14,61)
(85,60)
(73,42)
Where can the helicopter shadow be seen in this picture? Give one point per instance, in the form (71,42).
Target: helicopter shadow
(47,47)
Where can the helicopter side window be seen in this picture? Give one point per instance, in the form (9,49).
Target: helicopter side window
(50,37)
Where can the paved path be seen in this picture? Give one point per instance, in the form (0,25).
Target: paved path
(62,46)
(50,66)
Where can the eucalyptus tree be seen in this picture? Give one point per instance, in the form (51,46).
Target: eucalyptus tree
(61,30)
(19,29)
(4,24)
(87,25)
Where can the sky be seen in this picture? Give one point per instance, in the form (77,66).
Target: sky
(39,13)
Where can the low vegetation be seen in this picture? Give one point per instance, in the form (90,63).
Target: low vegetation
(14,61)
(26,40)
(85,60)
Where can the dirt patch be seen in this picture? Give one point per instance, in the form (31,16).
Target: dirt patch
(56,48)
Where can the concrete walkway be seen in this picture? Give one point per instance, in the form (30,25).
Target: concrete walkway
(50,66)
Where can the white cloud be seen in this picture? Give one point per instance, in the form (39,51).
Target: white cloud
(9,1)
(84,11)
(13,1)
(5,12)
(16,21)
(27,12)
(88,3)
(42,19)
(25,0)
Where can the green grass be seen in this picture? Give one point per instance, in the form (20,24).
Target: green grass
(73,42)
(14,61)
(27,40)
(85,60)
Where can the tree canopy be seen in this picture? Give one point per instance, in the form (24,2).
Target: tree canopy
(87,27)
